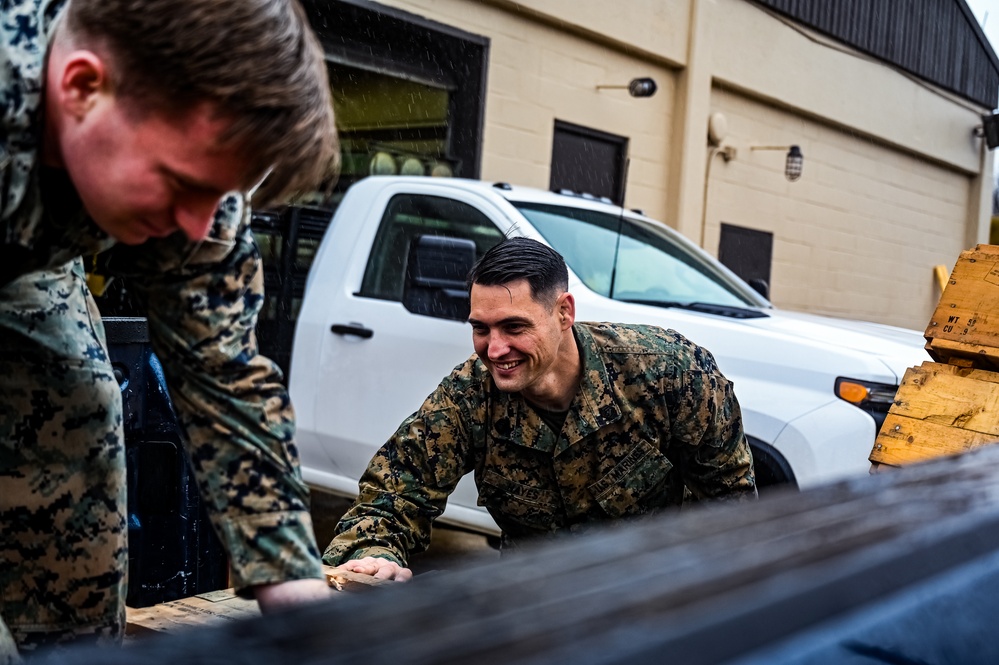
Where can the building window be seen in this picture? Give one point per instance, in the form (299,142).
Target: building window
(409,93)
(748,253)
(390,125)
(588,161)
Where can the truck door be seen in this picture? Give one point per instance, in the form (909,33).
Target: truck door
(384,359)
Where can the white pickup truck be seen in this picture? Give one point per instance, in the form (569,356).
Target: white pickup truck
(380,324)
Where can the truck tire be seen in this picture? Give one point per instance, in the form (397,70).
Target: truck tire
(772,470)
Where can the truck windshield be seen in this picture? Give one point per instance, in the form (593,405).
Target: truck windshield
(636,261)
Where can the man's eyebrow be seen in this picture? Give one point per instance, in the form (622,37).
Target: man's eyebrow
(191,183)
(502,322)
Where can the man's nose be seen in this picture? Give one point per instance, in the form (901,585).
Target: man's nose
(498,346)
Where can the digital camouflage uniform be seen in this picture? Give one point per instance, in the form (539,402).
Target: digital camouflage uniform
(652,415)
(62,455)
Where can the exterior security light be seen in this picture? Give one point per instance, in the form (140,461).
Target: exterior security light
(795,159)
(642,87)
(989,129)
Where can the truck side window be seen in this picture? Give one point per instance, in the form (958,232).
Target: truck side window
(408,216)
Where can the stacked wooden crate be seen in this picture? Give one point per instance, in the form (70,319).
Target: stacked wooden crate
(951,405)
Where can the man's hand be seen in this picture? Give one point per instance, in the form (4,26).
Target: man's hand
(380,569)
(282,595)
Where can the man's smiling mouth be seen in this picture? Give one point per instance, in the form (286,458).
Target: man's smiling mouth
(507,366)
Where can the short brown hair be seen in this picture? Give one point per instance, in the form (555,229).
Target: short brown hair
(257,61)
(519,258)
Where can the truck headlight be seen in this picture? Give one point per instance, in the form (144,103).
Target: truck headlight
(874,398)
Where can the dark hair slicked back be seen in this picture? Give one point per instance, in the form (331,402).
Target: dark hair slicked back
(256,61)
(523,258)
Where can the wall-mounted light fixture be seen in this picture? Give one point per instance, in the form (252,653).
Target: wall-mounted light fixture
(641,87)
(989,130)
(795,160)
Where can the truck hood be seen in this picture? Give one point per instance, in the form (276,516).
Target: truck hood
(786,348)
(898,348)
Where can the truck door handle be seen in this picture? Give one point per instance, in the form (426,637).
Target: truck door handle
(352,329)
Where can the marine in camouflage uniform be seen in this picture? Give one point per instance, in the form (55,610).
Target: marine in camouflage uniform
(63,529)
(652,416)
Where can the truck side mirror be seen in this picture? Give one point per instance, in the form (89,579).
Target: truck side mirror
(760,286)
(435,277)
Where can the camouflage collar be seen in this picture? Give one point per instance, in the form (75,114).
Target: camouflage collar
(594,406)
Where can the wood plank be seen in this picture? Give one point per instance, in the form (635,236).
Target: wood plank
(756,573)
(345,580)
(966,320)
(203,609)
(943,396)
(908,440)
(939,409)
(940,273)
(960,370)
(223,605)
(944,350)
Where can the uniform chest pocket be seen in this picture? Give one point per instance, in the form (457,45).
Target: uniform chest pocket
(637,484)
(508,500)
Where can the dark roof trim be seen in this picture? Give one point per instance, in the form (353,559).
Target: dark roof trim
(938,41)
(982,38)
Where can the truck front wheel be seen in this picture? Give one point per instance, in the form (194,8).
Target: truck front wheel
(772,470)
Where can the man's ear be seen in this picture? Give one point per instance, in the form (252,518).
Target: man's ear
(82,79)
(566,306)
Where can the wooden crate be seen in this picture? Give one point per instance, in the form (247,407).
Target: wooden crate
(222,606)
(940,409)
(952,405)
(206,608)
(964,329)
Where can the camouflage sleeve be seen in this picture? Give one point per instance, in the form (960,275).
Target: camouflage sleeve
(707,424)
(231,403)
(406,486)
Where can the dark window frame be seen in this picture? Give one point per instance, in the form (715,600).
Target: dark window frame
(733,254)
(620,168)
(371,36)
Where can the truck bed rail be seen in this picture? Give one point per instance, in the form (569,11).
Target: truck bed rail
(901,567)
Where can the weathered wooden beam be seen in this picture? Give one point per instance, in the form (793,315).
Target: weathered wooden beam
(965,324)
(214,607)
(939,409)
(710,584)
(950,406)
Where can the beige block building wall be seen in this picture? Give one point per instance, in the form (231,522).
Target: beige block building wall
(894,182)
(858,234)
(543,69)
